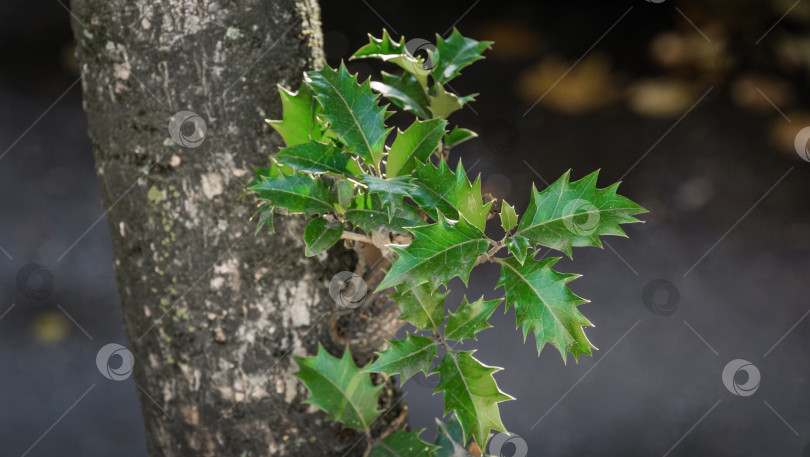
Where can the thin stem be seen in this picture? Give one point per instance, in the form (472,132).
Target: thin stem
(356,237)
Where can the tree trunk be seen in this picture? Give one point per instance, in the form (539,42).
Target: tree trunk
(213,313)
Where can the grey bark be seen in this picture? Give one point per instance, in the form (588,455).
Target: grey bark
(213,313)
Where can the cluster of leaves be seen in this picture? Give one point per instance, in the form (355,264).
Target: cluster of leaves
(339,167)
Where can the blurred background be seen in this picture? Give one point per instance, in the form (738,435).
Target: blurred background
(694,105)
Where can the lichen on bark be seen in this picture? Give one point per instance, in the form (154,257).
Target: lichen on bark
(213,313)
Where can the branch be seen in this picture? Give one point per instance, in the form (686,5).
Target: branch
(356,237)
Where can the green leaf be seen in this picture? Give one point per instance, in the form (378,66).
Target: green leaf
(509,218)
(470,390)
(388,50)
(345,194)
(339,388)
(265,218)
(519,247)
(575,214)
(445,103)
(404,91)
(450,438)
(403,444)
(457,136)
(390,190)
(406,357)
(421,306)
(352,111)
(455,53)
(438,253)
(317,157)
(297,193)
(299,123)
(470,201)
(320,235)
(416,143)
(545,305)
(469,319)
(368,213)
(438,189)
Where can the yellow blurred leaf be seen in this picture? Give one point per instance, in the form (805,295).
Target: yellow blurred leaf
(588,86)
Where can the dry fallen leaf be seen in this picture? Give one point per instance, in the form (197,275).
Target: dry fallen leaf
(513,40)
(588,86)
(661,97)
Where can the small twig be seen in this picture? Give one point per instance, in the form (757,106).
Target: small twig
(356,237)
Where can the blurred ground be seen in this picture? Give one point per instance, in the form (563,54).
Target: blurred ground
(694,105)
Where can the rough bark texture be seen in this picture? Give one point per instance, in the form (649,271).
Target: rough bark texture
(212,313)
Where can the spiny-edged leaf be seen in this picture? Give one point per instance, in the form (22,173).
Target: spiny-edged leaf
(545,305)
(351,110)
(368,213)
(415,143)
(390,190)
(299,123)
(388,50)
(266,218)
(421,306)
(457,136)
(470,201)
(456,52)
(450,439)
(470,390)
(404,91)
(406,357)
(470,318)
(509,218)
(318,157)
(438,253)
(576,213)
(320,235)
(297,193)
(519,247)
(270,172)
(438,189)
(444,103)
(403,444)
(339,388)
